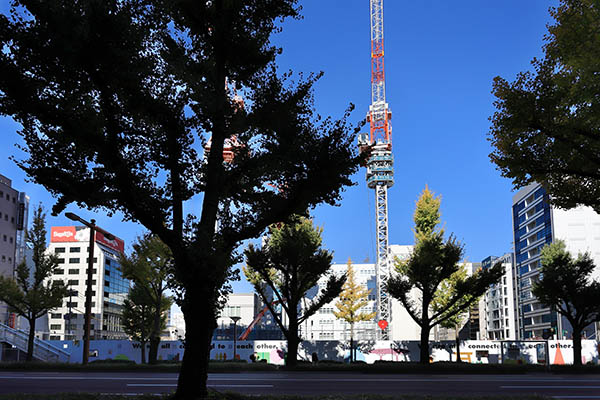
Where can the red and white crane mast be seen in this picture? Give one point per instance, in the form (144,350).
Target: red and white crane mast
(380,165)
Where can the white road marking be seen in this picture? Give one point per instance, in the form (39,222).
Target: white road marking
(168,385)
(86,378)
(549,387)
(152,384)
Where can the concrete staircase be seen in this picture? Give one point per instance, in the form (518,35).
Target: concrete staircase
(42,351)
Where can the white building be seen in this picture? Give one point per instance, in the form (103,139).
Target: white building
(498,308)
(535,224)
(325,326)
(244,306)
(109,288)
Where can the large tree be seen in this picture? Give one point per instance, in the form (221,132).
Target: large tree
(565,284)
(30,293)
(285,269)
(351,304)
(117,100)
(547,125)
(432,261)
(149,266)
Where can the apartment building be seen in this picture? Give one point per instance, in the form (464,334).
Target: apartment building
(535,224)
(14,209)
(498,305)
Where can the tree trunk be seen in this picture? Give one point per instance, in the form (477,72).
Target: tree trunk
(30,339)
(576,346)
(292,336)
(153,352)
(351,342)
(424,354)
(200,324)
(458,359)
(143,348)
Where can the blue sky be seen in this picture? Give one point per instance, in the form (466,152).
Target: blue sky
(440,60)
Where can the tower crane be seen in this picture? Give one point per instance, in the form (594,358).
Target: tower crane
(380,164)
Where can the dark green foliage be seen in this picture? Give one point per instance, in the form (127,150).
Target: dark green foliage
(565,284)
(547,125)
(117,99)
(149,267)
(291,263)
(33,295)
(138,317)
(433,261)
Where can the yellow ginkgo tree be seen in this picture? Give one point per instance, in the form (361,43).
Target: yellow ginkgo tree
(350,306)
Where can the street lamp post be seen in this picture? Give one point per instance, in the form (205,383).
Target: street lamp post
(235,321)
(88,286)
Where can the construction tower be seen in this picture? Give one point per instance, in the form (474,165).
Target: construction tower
(380,164)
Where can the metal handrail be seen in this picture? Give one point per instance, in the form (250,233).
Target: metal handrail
(41,350)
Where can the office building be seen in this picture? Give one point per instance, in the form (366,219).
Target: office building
(109,287)
(498,305)
(14,207)
(535,224)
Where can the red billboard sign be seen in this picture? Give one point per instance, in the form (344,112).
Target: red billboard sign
(63,234)
(114,244)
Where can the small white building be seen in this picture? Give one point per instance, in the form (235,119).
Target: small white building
(244,306)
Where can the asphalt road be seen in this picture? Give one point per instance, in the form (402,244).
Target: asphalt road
(309,383)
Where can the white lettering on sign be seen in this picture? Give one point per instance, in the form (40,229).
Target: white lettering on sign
(62,234)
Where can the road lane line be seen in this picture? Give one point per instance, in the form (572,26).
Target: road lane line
(548,387)
(169,385)
(152,384)
(111,378)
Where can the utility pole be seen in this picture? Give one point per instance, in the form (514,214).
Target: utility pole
(90,274)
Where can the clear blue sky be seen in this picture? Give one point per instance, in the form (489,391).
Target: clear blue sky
(440,60)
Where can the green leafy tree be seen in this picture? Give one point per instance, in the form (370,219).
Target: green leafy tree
(149,267)
(120,120)
(565,285)
(547,125)
(291,263)
(442,297)
(350,305)
(31,294)
(138,317)
(434,260)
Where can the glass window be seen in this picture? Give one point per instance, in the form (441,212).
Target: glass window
(75,249)
(59,250)
(55,326)
(73,271)
(55,315)
(59,272)
(73,282)
(74,260)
